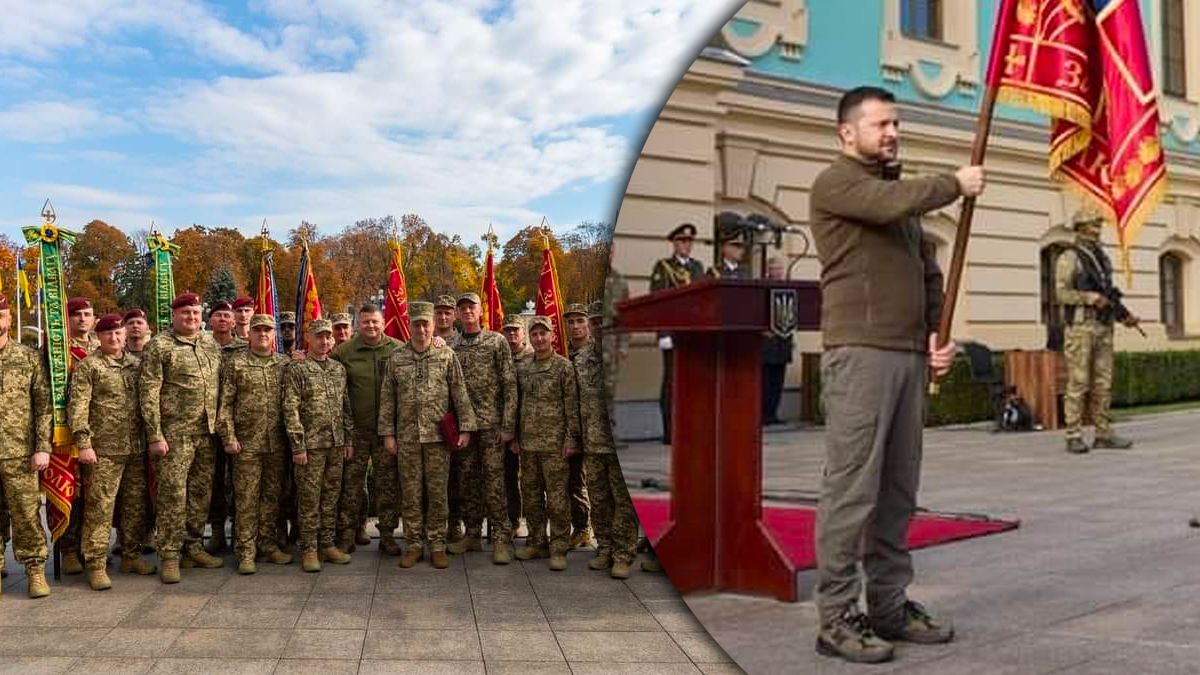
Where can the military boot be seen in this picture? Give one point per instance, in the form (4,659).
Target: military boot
(454,531)
(71,564)
(310,562)
(532,552)
(387,544)
(502,553)
(651,564)
(1076,446)
(620,570)
(137,565)
(558,562)
(198,557)
(439,559)
(247,566)
(584,538)
(170,572)
(913,623)
(850,637)
(470,542)
(98,579)
(277,557)
(361,537)
(334,555)
(412,556)
(35,575)
(602,561)
(1112,442)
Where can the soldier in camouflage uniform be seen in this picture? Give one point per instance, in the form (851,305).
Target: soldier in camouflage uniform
(107,431)
(612,510)
(422,385)
(547,437)
(137,331)
(1088,342)
(250,423)
(243,311)
(582,536)
(26,419)
(320,426)
(177,388)
(487,368)
(514,334)
(81,341)
(343,328)
(212,472)
(444,314)
(287,330)
(364,357)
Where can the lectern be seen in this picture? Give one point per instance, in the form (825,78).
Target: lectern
(716,539)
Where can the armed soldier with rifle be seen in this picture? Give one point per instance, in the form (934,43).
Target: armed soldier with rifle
(1091,305)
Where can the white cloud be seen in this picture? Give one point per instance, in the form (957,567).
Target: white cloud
(83,195)
(55,121)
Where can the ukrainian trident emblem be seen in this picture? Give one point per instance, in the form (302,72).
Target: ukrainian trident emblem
(784,312)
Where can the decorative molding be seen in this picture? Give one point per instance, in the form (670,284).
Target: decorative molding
(782,22)
(956,59)
(1179,116)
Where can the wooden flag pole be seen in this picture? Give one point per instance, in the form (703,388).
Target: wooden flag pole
(958,260)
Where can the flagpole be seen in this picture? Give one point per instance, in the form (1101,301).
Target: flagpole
(17,295)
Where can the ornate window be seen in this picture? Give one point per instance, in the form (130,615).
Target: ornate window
(921,19)
(1174,56)
(1170,293)
(1051,315)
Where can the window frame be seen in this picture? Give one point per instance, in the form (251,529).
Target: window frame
(1171,311)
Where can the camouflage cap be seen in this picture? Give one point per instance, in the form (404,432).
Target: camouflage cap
(342,318)
(318,326)
(596,310)
(441,301)
(421,311)
(259,320)
(575,308)
(468,297)
(287,317)
(543,321)
(514,321)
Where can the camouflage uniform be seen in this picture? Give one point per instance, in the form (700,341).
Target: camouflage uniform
(316,412)
(549,422)
(101,413)
(25,428)
(221,504)
(454,495)
(177,386)
(419,389)
(1088,340)
(487,368)
(364,365)
(251,413)
(614,345)
(512,462)
(613,518)
(71,539)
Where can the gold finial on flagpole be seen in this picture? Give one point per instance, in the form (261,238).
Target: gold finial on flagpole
(48,214)
(490,237)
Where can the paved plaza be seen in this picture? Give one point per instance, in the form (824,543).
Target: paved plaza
(1103,576)
(365,617)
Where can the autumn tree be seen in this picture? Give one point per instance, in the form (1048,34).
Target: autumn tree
(133,280)
(436,264)
(518,273)
(361,256)
(585,264)
(93,262)
(201,250)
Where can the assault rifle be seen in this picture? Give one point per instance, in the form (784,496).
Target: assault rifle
(1091,280)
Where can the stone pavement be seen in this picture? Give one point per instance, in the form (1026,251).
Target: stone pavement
(1101,577)
(365,617)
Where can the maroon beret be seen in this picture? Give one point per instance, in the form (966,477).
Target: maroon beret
(220,306)
(243,302)
(78,304)
(135,313)
(3,302)
(108,322)
(186,300)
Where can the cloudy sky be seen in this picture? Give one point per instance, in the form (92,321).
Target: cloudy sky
(464,111)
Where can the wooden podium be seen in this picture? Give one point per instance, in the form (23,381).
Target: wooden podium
(716,539)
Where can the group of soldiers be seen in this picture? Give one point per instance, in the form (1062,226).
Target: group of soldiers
(180,430)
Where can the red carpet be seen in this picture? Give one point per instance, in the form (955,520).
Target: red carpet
(793,526)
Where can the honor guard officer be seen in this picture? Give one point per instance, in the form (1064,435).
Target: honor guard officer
(678,270)
(733,254)
(1091,304)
